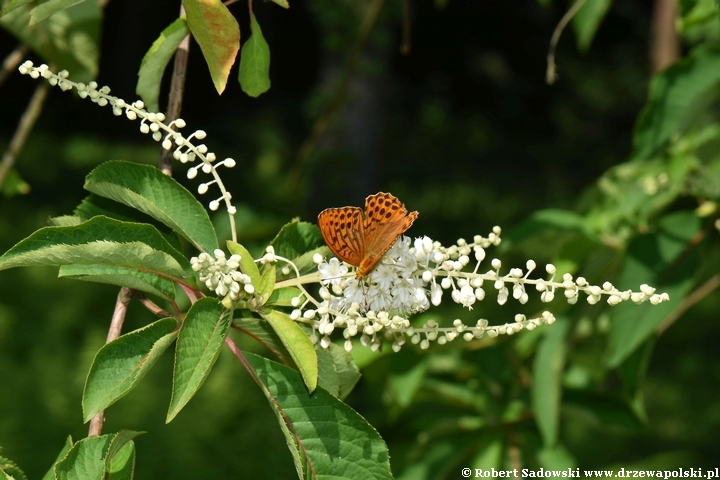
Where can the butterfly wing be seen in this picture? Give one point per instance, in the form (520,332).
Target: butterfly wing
(342,230)
(386,219)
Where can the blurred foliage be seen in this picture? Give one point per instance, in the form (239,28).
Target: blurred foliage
(609,174)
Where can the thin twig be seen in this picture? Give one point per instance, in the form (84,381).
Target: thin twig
(154,308)
(406,29)
(701,292)
(12,61)
(175,98)
(27,122)
(333,106)
(551,73)
(121,306)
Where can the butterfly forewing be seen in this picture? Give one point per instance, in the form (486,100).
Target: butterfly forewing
(341,229)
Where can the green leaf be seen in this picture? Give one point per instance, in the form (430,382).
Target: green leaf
(120,365)
(606,410)
(297,343)
(147,189)
(587,20)
(198,345)
(265,285)
(297,238)
(651,259)
(100,241)
(547,379)
(299,241)
(9,470)
(69,40)
(120,451)
(87,458)
(254,73)
(337,373)
(14,185)
(49,8)
(50,475)
(677,98)
(282,297)
(217,33)
(324,435)
(12,5)
(155,62)
(263,332)
(122,277)
(122,465)
(284,3)
(556,458)
(247,264)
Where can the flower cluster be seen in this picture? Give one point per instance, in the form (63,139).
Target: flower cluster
(409,279)
(184,149)
(221,275)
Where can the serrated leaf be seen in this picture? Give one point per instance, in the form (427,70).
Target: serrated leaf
(547,380)
(254,73)
(69,40)
(122,465)
(586,21)
(262,332)
(10,471)
(86,459)
(101,241)
(651,259)
(247,264)
(118,453)
(156,60)
(677,96)
(327,438)
(338,374)
(121,276)
(297,343)
(50,474)
(120,365)
(198,345)
(49,8)
(218,34)
(147,189)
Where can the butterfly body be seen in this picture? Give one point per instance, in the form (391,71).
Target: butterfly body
(362,238)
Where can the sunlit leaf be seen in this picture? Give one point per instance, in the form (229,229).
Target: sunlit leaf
(120,365)
(198,345)
(147,189)
(297,343)
(218,34)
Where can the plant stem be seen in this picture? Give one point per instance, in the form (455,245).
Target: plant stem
(175,98)
(118,318)
(27,122)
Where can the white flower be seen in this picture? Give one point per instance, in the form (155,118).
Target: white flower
(332,271)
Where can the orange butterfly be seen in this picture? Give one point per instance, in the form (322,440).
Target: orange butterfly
(362,239)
